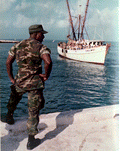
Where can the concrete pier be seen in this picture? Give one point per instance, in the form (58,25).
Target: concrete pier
(92,129)
(8,41)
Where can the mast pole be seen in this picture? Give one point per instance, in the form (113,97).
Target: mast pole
(71,22)
(79,22)
(79,27)
(84,19)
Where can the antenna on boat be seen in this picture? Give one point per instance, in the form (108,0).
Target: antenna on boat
(71,21)
(84,19)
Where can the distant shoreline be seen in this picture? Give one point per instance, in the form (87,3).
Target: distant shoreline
(8,41)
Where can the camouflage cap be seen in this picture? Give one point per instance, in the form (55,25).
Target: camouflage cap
(37,28)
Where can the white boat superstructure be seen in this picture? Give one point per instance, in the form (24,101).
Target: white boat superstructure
(92,51)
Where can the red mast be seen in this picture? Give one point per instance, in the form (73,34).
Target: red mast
(84,19)
(71,21)
(79,27)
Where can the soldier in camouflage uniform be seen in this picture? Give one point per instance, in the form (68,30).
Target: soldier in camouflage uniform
(29,54)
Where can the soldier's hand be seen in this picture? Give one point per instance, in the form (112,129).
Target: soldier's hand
(43,77)
(13,81)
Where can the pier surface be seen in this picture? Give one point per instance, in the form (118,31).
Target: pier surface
(92,129)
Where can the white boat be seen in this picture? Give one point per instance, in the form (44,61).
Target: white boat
(79,49)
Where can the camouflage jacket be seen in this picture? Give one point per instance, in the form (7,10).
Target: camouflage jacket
(28,57)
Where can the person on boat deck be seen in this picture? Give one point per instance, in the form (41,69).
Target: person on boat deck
(29,54)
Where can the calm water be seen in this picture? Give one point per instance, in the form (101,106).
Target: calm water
(72,85)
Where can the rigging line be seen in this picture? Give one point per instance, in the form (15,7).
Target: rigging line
(87,33)
(94,33)
(76,23)
(101,25)
(100,36)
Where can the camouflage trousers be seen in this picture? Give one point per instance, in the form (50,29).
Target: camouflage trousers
(35,103)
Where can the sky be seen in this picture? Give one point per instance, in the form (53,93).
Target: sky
(17,15)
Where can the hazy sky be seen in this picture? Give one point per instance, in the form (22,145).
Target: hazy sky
(17,15)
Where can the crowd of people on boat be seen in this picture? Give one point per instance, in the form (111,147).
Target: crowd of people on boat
(77,45)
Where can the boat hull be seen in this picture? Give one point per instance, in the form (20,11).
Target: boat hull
(91,55)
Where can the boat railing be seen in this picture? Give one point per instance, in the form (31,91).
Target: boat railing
(78,46)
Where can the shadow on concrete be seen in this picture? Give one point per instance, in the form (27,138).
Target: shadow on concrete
(15,134)
(63,120)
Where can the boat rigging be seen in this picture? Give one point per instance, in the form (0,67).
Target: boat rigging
(80,49)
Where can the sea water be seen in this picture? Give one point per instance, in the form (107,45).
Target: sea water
(72,85)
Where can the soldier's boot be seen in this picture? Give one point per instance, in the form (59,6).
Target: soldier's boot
(32,142)
(9,118)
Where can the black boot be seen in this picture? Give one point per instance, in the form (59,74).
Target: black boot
(32,142)
(9,118)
